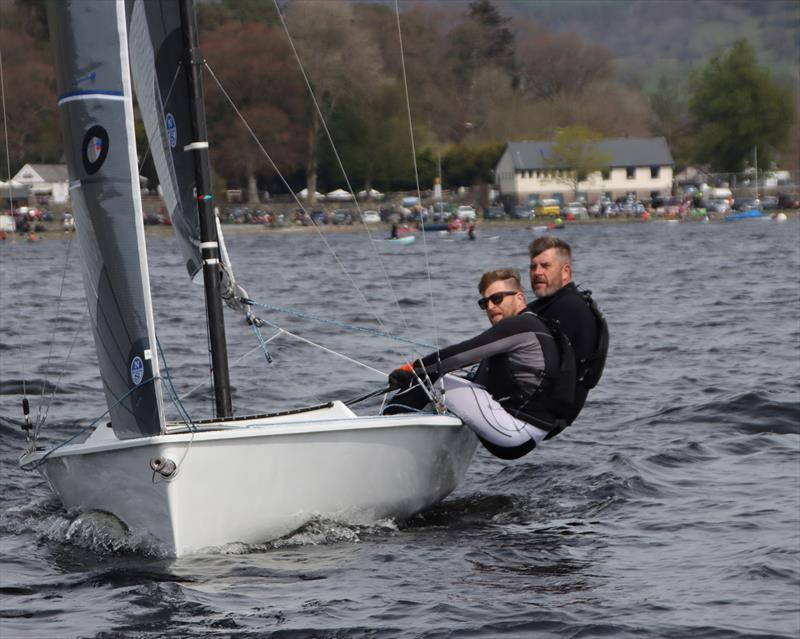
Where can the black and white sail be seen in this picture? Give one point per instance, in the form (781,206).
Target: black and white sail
(95,98)
(161,80)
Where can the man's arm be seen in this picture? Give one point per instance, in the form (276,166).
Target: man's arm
(510,334)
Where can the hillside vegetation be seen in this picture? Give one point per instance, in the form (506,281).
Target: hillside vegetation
(479,73)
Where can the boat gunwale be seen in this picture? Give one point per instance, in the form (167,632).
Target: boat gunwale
(227,431)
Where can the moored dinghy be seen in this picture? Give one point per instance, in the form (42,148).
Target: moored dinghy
(195,484)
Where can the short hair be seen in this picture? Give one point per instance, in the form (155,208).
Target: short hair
(541,244)
(500,275)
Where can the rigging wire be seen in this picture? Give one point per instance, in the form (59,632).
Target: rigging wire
(416,174)
(25,407)
(340,163)
(39,417)
(280,175)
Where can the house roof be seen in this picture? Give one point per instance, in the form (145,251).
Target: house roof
(622,151)
(48,172)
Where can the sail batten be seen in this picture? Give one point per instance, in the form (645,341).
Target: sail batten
(100,147)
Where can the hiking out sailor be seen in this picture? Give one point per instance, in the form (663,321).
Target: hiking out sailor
(524,383)
(569,310)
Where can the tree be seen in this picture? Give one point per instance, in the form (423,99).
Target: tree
(30,103)
(576,155)
(481,43)
(560,64)
(340,59)
(737,106)
(254,65)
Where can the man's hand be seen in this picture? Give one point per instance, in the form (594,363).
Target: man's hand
(401,377)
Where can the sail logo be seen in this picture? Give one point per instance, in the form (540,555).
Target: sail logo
(94,149)
(137,370)
(172,130)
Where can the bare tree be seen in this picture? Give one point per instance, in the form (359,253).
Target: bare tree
(253,62)
(558,64)
(339,58)
(33,134)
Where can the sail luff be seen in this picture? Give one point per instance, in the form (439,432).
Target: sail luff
(95,99)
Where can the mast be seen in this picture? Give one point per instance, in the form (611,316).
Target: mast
(208,230)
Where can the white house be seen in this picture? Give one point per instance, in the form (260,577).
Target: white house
(638,166)
(48,182)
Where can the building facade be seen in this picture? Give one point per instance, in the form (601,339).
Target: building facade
(49,183)
(641,167)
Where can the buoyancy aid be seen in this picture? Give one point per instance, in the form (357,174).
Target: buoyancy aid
(590,370)
(553,397)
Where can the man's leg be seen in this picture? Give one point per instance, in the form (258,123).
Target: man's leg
(503,435)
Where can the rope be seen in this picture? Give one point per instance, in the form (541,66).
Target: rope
(83,429)
(325,320)
(326,349)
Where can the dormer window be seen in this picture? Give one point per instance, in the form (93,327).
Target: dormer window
(630,172)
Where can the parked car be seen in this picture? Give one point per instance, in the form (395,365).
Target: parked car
(745,203)
(718,206)
(370,217)
(522,212)
(547,207)
(69,222)
(441,211)
(342,216)
(769,202)
(319,218)
(466,212)
(788,201)
(495,213)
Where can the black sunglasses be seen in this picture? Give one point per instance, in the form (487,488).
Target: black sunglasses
(495,299)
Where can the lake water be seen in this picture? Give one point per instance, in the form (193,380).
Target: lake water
(670,508)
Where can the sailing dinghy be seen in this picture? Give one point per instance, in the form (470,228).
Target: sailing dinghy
(196,484)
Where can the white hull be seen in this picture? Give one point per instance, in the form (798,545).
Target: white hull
(253,480)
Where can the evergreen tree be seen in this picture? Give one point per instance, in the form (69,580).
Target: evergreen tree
(737,106)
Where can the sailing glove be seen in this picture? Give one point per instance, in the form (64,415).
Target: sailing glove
(401,377)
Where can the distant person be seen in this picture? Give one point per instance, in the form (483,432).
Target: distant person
(523,385)
(394,235)
(471,231)
(575,312)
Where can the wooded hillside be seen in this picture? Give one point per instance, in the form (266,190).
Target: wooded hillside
(479,73)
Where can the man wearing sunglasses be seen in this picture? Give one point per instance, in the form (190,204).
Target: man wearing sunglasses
(523,381)
(574,311)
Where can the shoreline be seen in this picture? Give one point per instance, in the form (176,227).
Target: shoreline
(234,230)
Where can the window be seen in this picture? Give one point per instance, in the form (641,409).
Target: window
(606,173)
(630,172)
(655,171)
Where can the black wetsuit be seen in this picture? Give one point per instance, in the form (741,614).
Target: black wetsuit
(567,307)
(519,361)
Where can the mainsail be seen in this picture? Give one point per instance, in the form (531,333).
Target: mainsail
(90,40)
(162,90)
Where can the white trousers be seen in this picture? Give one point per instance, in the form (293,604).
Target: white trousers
(484,415)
